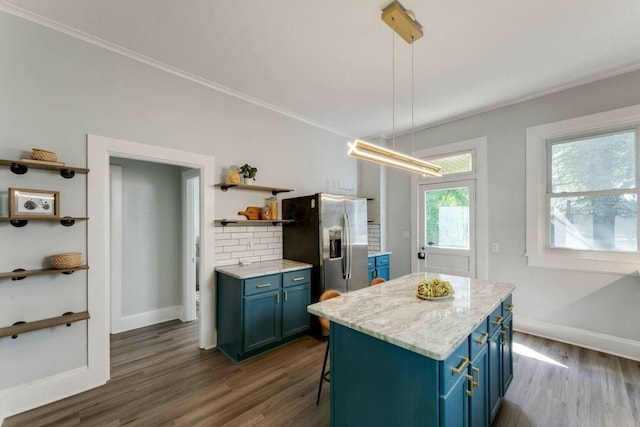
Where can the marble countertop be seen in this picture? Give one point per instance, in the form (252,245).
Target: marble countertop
(257,269)
(391,312)
(376,253)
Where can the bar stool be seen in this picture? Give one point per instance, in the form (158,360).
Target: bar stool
(324,376)
(376,281)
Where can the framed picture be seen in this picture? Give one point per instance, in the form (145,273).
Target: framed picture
(25,203)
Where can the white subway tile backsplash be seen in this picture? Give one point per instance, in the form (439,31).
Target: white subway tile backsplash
(247,244)
(373,236)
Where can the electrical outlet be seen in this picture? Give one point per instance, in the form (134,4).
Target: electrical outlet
(495,247)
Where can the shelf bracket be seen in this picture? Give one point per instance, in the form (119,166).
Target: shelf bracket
(19,169)
(18,277)
(67,173)
(67,221)
(20,322)
(19,222)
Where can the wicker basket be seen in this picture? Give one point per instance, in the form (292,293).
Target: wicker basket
(66,260)
(44,155)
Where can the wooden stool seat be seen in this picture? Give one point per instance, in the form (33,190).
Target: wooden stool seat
(376,281)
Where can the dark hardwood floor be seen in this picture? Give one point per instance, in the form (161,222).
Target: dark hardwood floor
(161,378)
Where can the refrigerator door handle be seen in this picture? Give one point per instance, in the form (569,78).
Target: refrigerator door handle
(348,252)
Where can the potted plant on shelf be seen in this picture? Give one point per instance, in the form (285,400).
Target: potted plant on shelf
(248,173)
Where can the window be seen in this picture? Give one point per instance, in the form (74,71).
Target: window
(582,193)
(455,163)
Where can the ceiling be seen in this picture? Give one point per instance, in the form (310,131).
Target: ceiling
(329,62)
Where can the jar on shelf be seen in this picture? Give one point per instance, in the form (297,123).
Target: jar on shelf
(266,213)
(233,177)
(272,202)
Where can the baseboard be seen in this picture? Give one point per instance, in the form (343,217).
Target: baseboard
(616,346)
(149,318)
(41,392)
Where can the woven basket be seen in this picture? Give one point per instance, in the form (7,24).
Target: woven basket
(66,260)
(44,155)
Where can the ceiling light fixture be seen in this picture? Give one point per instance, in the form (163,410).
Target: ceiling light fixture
(410,30)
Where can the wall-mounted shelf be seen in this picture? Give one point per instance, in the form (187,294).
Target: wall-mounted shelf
(18,221)
(224,186)
(19,168)
(225,222)
(19,273)
(23,327)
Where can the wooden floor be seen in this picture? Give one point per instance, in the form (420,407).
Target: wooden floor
(161,378)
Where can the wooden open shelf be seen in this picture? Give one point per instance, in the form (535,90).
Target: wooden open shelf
(225,222)
(21,221)
(19,275)
(224,186)
(21,328)
(19,167)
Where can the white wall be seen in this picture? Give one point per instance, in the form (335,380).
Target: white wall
(151,241)
(57,89)
(558,303)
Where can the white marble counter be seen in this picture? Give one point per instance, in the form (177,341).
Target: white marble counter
(257,269)
(391,312)
(376,253)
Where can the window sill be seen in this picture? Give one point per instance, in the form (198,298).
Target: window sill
(591,263)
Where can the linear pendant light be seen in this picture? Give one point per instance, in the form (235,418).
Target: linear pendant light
(399,20)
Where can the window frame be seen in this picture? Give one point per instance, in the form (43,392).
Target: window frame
(538,192)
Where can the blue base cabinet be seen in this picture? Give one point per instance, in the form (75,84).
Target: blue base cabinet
(379,266)
(375,383)
(257,314)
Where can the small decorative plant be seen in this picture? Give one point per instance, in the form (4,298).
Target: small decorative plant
(248,171)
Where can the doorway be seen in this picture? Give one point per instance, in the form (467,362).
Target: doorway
(447,228)
(99,151)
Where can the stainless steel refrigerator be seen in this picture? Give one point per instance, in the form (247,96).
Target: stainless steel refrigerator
(330,232)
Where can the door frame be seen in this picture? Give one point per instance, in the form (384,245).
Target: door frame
(188,246)
(99,151)
(478,146)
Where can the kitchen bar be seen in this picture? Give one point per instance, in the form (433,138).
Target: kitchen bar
(400,360)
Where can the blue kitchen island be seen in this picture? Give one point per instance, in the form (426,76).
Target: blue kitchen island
(400,360)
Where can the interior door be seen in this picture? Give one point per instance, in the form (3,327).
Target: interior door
(447,228)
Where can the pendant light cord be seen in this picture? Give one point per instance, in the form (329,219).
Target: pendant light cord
(412,74)
(393,82)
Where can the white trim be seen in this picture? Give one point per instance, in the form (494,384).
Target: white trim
(59,27)
(115,273)
(189,245)
(479,147)
(537,252)
(36,393)
(148,318)
(592,340)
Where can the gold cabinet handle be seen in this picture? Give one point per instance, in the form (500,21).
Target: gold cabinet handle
(264,285)
(477,371)
(470,389)
(463,365)
(285,296)
(277,297)
(498,321)
(504,340)
(297,279)
(483,340)
(506,335)
(509,307)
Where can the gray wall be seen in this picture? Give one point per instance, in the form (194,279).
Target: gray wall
(151,236)
(54,90)
(594,302)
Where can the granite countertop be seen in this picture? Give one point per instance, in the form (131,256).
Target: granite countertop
(376,253)
(391,312)
(257,269)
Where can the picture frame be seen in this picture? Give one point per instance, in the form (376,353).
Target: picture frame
(27,203)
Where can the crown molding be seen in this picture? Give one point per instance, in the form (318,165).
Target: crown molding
(59,27)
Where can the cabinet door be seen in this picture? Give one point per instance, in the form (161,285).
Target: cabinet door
(495,373)
(454,406)
(383,272)
(262,319)
(478,402)
(295,317)
(507,355)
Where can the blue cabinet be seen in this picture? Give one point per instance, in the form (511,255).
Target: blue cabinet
(379,266)
(256,314)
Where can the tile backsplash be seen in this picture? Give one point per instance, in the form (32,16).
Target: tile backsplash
(248,244)
(373,236)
